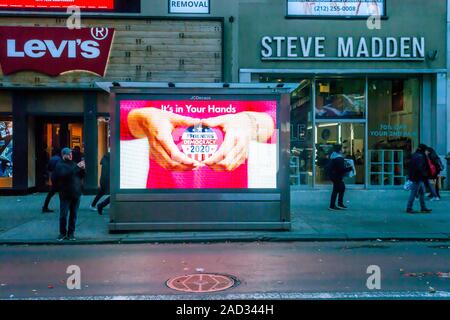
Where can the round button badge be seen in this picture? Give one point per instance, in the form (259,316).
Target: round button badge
(199,142)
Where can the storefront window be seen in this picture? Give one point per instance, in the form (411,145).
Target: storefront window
(76,136)
(340,99)
(393,129)
(301,135)
(6,152)
(302,129)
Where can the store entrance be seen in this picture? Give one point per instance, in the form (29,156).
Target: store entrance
(351,136)
(53,134)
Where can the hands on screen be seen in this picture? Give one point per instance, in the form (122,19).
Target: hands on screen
(157,126)
(240,129)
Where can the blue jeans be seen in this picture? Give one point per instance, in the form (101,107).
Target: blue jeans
(431,188)
(68,207)
(417,188)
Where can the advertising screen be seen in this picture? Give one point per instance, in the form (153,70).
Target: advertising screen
(57,4)
(198,144)
(344,8)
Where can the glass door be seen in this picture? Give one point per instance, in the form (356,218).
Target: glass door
(340,118)
(52,135)
(352,137)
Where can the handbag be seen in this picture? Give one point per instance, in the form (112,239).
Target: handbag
(408,185)
(349,163)
(433,170)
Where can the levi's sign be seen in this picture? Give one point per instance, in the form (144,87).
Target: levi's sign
(279,48)
(54,50)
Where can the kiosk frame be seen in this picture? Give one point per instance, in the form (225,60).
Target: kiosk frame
(201,209)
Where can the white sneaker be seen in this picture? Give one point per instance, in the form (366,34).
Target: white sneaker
(93,208)
(435,199)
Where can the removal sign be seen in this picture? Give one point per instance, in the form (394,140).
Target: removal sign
(54,50)
(189,6)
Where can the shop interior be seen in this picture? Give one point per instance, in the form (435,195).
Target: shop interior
(376,120)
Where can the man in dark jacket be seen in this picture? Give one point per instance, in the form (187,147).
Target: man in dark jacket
(418,174)
(50,168)
(68,177)
(336,172)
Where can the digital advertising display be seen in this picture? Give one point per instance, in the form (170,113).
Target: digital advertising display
(340,8)
(92,4)
(198,144)
(108,6)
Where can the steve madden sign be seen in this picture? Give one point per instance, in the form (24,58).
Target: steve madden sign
(54,50)
(189,6)
(281,48)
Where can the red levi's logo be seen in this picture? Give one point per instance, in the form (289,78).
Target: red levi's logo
(55,50)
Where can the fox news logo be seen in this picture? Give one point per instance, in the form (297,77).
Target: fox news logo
(199,143)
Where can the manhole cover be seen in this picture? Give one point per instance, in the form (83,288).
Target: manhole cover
(201,282)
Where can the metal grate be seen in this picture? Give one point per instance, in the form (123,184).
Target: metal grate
(201,282)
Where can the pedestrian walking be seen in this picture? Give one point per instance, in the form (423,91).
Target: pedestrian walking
(436,166)
(103,204)
(68,177)
(336,171)
(418,174)
(104,182)
(50,168)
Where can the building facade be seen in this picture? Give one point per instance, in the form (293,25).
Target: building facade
(371,78)
(377,85)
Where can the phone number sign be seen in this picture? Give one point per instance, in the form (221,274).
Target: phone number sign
(342,8)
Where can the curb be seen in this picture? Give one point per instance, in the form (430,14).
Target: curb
(292,237)
(388,295)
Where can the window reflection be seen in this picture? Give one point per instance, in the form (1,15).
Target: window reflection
(6,153)
(340,99)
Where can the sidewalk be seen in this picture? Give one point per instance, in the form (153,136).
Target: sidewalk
(373,215)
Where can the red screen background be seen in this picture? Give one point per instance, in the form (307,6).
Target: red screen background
(95,4)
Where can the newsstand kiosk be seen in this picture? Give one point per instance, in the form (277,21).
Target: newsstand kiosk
(199,156)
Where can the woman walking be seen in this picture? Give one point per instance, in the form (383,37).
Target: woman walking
(436,167)
(336,172)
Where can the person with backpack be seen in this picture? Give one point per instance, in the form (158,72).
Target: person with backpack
(418,175)
(435,166)
(336,171)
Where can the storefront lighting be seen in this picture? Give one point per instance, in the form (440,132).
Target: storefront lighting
(340,134)
(324,125)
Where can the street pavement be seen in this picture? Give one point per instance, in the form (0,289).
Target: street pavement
(265,270)
(373,214)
